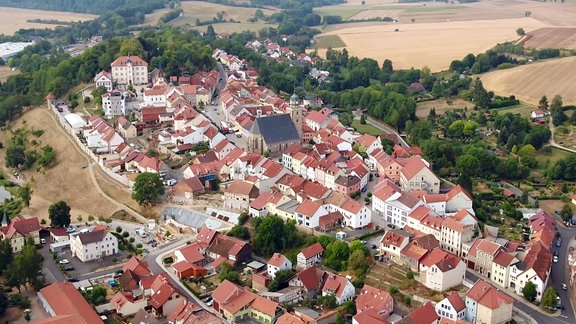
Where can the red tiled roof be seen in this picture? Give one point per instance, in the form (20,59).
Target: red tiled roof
(456,301)
(191,252)
(21,225)
(413,252)
(503,258)
(486,295)
(64,299)
(310,277)
(425,314)
(312,250)
(277,260)
(139,267)
(123,60)
(308,208)
(434,257)
(335,284)
(374,298)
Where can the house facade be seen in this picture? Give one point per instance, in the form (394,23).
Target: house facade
(20,229)
(128,70)
(93,245)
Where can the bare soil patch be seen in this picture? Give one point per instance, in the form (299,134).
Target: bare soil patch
(552,37)
(527,83)
(441,106)
(67,181)
(368,14)
(13,19)
(205,11)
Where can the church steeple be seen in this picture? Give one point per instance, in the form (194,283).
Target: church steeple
(296,113)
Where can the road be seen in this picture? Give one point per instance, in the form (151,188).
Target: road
(553,141)
(381,126)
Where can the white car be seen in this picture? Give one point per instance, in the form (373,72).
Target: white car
(564,287)
(555,259)
(43,241)
(64,261)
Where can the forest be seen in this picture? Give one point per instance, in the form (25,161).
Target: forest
(86,6)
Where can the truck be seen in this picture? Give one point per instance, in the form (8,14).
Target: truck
(224,127)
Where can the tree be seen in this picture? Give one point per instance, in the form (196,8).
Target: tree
(336,255)
(148,188)
(6,255)
(268,235)
(543,103)
(357,262)
(226,273)
(421,131)
(529,291)
(550,298)
(59,214)
(240,232)
(363,119)
(25,194)
(527,155)
(468,165)
(281,277)
(520,32)
(3,303)
(566,212)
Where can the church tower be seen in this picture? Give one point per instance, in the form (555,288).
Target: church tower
(296,113)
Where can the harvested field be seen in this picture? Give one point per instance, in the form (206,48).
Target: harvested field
(5,72)
(205,11)
(13,19)
(441,106)
(442,42)
(551,37)
(526,81)
(67,181)
(332,41)
(235,27)
(368,14)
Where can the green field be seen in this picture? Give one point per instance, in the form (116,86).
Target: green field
(523,109)
(366,129)
(553,157)
(330,41)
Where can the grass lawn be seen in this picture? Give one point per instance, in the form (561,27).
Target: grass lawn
(366,129)
(523,109)
(553,157)
(333,41)
(343,11)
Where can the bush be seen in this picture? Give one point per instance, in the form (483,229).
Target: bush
(43,222)
(410,275)
(393,289)
(168,260)
(114,260)
(132,240)
(90,218)
(243,218)
(86,99)
(139,245)
(125,234)
(407,300)
(118,229)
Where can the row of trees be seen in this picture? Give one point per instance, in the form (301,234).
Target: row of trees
(22,269)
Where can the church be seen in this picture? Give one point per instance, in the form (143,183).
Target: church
(273,134)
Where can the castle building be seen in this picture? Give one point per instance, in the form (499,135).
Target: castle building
(129,70)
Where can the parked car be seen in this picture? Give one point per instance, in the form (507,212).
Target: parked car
(42,241)
(69,269)
(560,306)
(64,261)
(373,246)
(209,304)
(72,279)
(564,287)
(207,299)
(559,242)
(392,226)
(555,260)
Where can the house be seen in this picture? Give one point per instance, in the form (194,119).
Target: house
(164,297)
(376,299)
(339,287)
(64,304)
(393,204)
(94,244)
(501,266)
(104,79)
(451,307)
(416,175)
(445,274)
(128,70)
(59,235)
(185,270)
(318,120)
(369,142)
(278,262)
(347,184)
(309,281)
(126,128)
(273,134)
(189,313)
(309,255)
(486,304)
(535,114)
(369,316)
(481,256)
(309,213)
(393,242)
(534,266)
(234,302)
(19,229)
(114,104)
(225,248)
(239,194)
(425,314)
(125,304)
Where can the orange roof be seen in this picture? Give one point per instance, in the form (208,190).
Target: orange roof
(335,284)
(377,299)
(456,301)
(123,60)
(453,224)
(312,250)
(503,258)
(261,201)
(64,299)
(233,298)
(277,260)
(21,225)
(242,188)
(455,191)
(393,238)
(308,208)
(485,246)
(486,295)
(413,252)
(139,267)
(369,316)
(425,314)
(288,318)
(434,257)
(420,212)
(412,168)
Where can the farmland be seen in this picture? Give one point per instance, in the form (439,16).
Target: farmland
(441,106)
(445,31)
(13,19)
(204,11)
(526,81)
(5,72)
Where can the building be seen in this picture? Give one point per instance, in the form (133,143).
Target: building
(486,304)
(272,135)
(128,70)
(19,229)
(309,255)
(114,104)
(104,79)
(64,304)
(451,307)
(278,262)
(94,244)
(239,194)
(126,128)
(446,273)
(309,213)
(339,287)
(416,175)
(9,49)
(235,303)
(376,299)
(189,313)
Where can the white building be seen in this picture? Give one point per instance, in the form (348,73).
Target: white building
(104,79)
(277,263)
(451,307)
(129,70)
(9,49)
(113,104)
(93,245)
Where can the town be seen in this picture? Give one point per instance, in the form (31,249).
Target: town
(253,177)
